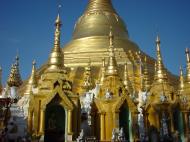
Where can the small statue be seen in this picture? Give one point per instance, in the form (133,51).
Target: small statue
(114,135)
(81,136)
(121,135)
(163,98)
(108,94)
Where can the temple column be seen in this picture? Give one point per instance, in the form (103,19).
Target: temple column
(135,126)
(102,126)
(30,121)
(116,119)
(42,121)
(171,122)
(70,122)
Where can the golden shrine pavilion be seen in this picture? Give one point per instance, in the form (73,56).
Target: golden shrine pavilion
(102,85)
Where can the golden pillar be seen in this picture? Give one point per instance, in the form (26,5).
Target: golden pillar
(42,121)
(171,122)
(69,122)
(30,121)
(102,126)
(116,120)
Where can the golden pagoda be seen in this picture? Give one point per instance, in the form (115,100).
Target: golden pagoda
(102,85)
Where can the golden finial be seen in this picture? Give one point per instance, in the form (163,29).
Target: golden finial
(126,80)
(112,64)
(187,54)
(188,65)
(32,81)
(146,79)
(14,77)
(160,74)
(56,59)
(181,79)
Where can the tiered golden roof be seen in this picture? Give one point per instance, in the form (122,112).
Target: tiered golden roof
(14,77)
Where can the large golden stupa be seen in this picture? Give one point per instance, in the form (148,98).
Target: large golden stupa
(102,85)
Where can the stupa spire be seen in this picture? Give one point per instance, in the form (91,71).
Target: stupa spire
(56,59)
(181,80)
(112,64)
(188,65)
(160,74)
(146,79)
(14,77)
(32,82)
(126,80)
(102,72)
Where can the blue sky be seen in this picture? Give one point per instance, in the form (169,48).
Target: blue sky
(28,26)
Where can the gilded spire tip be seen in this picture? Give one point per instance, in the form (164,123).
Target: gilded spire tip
(181,79)
(34,62)
(187,54)
(160,71)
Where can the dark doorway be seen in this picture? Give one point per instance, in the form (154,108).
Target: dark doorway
(54,123)
(124,119)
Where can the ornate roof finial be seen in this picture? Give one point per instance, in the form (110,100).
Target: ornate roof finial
(1,87)
(188,65)
(112,64)
(181,80)
(32,81)
(102,72)
(56,59)
(146,79)
(126,80)
(14,77)
(160,74)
